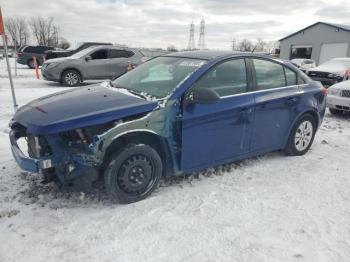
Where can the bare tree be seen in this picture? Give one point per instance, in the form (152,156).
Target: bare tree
(245,45)
(171,48)
(18,30)
(44,30)
(63,43)
(260,45)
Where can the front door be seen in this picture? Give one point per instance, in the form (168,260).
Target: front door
(276,101)
(218,132)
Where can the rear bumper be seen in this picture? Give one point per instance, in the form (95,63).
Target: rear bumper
(338,102)
(26,163)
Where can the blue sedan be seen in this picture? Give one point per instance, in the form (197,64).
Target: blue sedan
(178,113)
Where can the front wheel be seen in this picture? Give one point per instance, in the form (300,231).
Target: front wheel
(133,173)
(302,136)
(71,78)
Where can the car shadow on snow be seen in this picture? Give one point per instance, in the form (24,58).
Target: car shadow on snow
(55,196)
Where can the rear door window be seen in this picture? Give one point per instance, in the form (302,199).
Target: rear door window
(114,53)
(268,74)
(227,78)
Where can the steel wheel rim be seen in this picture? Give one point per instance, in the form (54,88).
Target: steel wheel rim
(136,175)
(72,78)
(303,135)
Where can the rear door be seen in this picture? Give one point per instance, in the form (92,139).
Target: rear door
(218,132)
(119,61)
(277,97)
(98,66)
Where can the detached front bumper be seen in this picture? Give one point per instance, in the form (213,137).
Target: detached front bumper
(27,163)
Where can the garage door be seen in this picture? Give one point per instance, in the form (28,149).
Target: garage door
(329,51)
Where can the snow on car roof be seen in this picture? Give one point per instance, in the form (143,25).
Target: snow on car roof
(211,54)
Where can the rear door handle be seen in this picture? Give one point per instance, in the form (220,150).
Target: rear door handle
(291,101)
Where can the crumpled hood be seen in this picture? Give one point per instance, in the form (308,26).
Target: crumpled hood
(79,107)
(328,69)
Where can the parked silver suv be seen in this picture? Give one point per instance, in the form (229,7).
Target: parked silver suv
(96,62)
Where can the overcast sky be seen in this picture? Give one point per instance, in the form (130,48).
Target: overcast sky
(164,22)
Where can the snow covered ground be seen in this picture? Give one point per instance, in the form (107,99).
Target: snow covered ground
(268,208)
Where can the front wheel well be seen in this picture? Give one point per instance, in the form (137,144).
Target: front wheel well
(155,141)
(74,69)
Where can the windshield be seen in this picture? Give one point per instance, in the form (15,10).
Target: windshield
(159,76)
(337,64)
(83,52)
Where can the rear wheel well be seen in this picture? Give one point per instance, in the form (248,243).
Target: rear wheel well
(147,138)
(313,114)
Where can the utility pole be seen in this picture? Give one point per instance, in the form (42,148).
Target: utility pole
(201,41)
(190,45)
(4,40)
(233,44)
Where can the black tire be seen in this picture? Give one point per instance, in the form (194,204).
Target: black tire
(300,141)
(30,64)
(133,173)
(71,78)
(335,111)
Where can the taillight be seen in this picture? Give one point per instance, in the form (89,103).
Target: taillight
(19,54)
(324,91)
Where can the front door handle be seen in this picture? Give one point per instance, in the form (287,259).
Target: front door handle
(246,110)
(291,101)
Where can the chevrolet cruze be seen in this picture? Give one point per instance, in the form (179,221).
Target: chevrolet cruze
(178,113)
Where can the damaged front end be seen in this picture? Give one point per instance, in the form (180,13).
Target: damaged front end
(81,152)
(66,154)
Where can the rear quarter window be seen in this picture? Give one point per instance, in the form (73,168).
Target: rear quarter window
(291,77)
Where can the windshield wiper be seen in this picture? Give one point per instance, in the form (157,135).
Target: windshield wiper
(130,91)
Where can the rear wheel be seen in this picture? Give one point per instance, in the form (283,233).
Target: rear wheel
(133,173)
(302,136)
(335,111)
(70,78)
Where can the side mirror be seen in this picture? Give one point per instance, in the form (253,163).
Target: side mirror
(202,95)
(88,58)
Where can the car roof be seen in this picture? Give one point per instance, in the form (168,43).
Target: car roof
(111,47)
(214,54)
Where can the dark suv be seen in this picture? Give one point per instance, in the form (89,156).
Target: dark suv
(26,53)
(64,53)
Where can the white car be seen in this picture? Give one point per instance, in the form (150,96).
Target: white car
(338,99)
(303,64)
